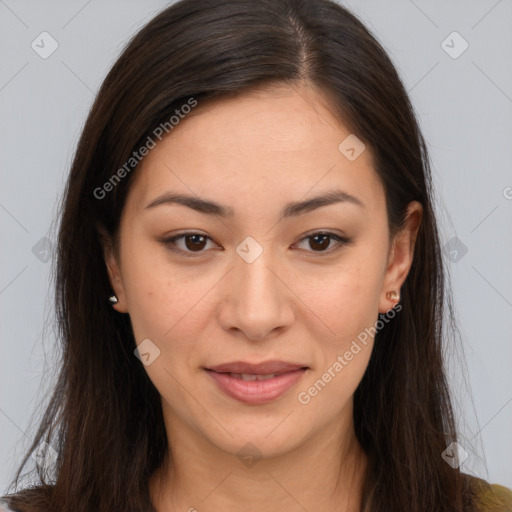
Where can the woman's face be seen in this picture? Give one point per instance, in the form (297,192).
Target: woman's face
(253,284)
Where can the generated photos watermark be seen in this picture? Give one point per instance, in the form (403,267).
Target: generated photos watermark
(158,133)
(305,397)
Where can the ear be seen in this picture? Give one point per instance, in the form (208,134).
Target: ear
(401,255)
(113,270)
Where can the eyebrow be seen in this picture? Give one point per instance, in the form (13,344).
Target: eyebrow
(289,210)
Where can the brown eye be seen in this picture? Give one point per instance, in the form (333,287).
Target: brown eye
(320,242)
(193,243)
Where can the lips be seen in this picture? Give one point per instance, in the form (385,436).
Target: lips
(256,383)
(264,368)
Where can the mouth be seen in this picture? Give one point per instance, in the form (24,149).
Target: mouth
(256,383)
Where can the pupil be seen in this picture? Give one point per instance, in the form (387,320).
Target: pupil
(198,242)
(322,245)
(195,244)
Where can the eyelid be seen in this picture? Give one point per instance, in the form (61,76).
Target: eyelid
(341,240)
(170,243)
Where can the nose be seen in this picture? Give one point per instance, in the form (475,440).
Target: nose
(257,299)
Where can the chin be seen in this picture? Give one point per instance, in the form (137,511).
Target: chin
(266,437)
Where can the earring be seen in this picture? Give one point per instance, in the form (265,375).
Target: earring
(113,299)
(393,295)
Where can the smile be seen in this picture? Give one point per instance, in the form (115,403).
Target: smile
(256,384)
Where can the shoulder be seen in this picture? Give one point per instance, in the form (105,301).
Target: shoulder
(491,497)
(496,498)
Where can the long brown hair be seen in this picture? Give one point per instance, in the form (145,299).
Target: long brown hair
(104,418)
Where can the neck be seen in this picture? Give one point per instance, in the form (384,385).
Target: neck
(326,473)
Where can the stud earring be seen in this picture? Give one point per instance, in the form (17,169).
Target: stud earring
(113,299)
(393,295)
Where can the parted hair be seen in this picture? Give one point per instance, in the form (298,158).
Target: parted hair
(104,417)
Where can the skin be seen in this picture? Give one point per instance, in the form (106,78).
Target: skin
(255,152)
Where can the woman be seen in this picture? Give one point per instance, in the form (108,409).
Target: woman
(250,287)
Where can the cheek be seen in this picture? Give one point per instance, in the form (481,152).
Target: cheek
(349,308)
(347,303)
(154,296)
(167,304)
(345,299)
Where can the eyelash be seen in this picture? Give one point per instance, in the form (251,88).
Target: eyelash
(170,243)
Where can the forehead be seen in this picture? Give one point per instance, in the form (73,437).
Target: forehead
(275,119)
(261,144)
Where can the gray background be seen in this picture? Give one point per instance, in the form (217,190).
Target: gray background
(464,105)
